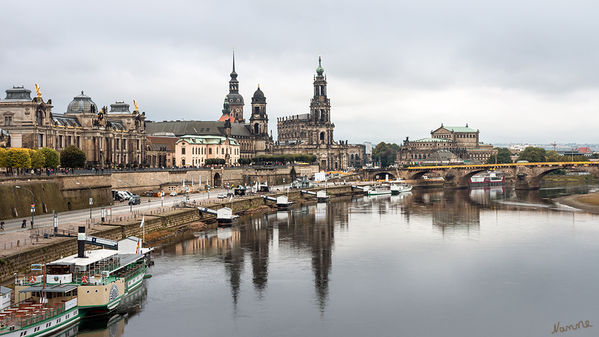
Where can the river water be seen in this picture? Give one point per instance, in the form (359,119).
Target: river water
(486,262)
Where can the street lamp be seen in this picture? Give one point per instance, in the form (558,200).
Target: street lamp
(32,203)
(91,201)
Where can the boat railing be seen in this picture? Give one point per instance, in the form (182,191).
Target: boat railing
(27,313)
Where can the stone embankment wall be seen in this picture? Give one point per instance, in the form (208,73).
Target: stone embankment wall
(60,193)
(63,193)
(20,263)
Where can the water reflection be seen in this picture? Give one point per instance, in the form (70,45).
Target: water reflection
(258,276)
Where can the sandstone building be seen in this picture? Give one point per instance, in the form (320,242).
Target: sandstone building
(312,133)
(193,151)
(447,144)
(253,137)
(108,138)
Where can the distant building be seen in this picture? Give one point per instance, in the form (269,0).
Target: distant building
(193,151)
(462,142)
(108,138)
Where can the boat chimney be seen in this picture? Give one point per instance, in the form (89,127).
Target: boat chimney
(81,242)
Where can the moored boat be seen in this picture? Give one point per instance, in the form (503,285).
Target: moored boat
(45,310)
(100,278)
(490,178)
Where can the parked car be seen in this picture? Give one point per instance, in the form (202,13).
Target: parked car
(173,194)
(135,200)
(221,196)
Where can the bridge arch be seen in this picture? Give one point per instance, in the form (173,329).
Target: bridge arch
(419,174)
(383,175)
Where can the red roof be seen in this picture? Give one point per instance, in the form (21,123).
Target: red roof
(584,150)
(225,117)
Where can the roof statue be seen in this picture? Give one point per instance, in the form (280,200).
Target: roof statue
(135,105)
(37,89)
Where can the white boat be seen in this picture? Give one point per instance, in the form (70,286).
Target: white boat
(379,191)
(397,188)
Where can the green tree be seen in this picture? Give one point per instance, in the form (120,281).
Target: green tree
(52,157)
(3,157)
(18,158)
(533,154)
(215,161)
(72,157)
(553,156)
(504,156)
(38,160)
(385,154)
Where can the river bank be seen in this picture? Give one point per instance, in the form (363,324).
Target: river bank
(158,226)
(586,202)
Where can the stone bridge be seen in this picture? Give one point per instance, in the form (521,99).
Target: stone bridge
(523,175)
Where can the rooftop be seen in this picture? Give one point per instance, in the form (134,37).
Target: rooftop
(459,128)
(432,140)
(91,256)
(191,139)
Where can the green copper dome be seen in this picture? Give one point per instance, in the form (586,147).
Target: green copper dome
(319,69)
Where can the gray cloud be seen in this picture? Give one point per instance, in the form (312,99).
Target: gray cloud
(519,71)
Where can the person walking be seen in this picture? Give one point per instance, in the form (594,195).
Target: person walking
(24,224)
(1,225)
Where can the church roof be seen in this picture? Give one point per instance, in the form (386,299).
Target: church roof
(227,117)
(181,128)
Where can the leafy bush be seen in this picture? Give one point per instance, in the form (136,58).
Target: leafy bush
(38,160)
(52,157)
(215,161)
(72,157)
(18,158)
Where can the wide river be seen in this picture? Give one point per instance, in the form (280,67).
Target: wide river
(485,262)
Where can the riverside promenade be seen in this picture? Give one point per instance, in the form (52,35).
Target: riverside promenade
(26,246)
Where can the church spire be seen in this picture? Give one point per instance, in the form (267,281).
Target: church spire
(233,72)
(233,83)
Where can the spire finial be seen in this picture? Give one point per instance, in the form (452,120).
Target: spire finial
(258,85)
(233,59)
(319,69)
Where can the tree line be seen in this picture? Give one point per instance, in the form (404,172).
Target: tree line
(23,158)
(533,154)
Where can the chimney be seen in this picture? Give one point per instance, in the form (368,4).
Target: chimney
(81,242)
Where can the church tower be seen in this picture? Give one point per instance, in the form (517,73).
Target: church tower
(234,98)
(320,110)
(259,118)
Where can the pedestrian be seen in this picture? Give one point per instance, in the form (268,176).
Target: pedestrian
(31,223)
(1,225)
(24,224)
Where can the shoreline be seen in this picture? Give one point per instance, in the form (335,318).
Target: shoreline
(574,201)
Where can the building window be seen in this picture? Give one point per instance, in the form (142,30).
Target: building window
(210,151)
(8,120)
(60,141)
(183,152)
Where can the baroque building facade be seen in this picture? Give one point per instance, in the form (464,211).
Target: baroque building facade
(253,136)
(446,144)
(108,138)
(312,133)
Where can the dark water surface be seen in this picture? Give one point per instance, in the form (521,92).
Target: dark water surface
(437,263)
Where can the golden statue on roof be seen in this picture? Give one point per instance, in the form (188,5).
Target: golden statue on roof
(135,105)
(37,89)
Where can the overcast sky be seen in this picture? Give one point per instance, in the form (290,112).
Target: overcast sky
(520,71)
